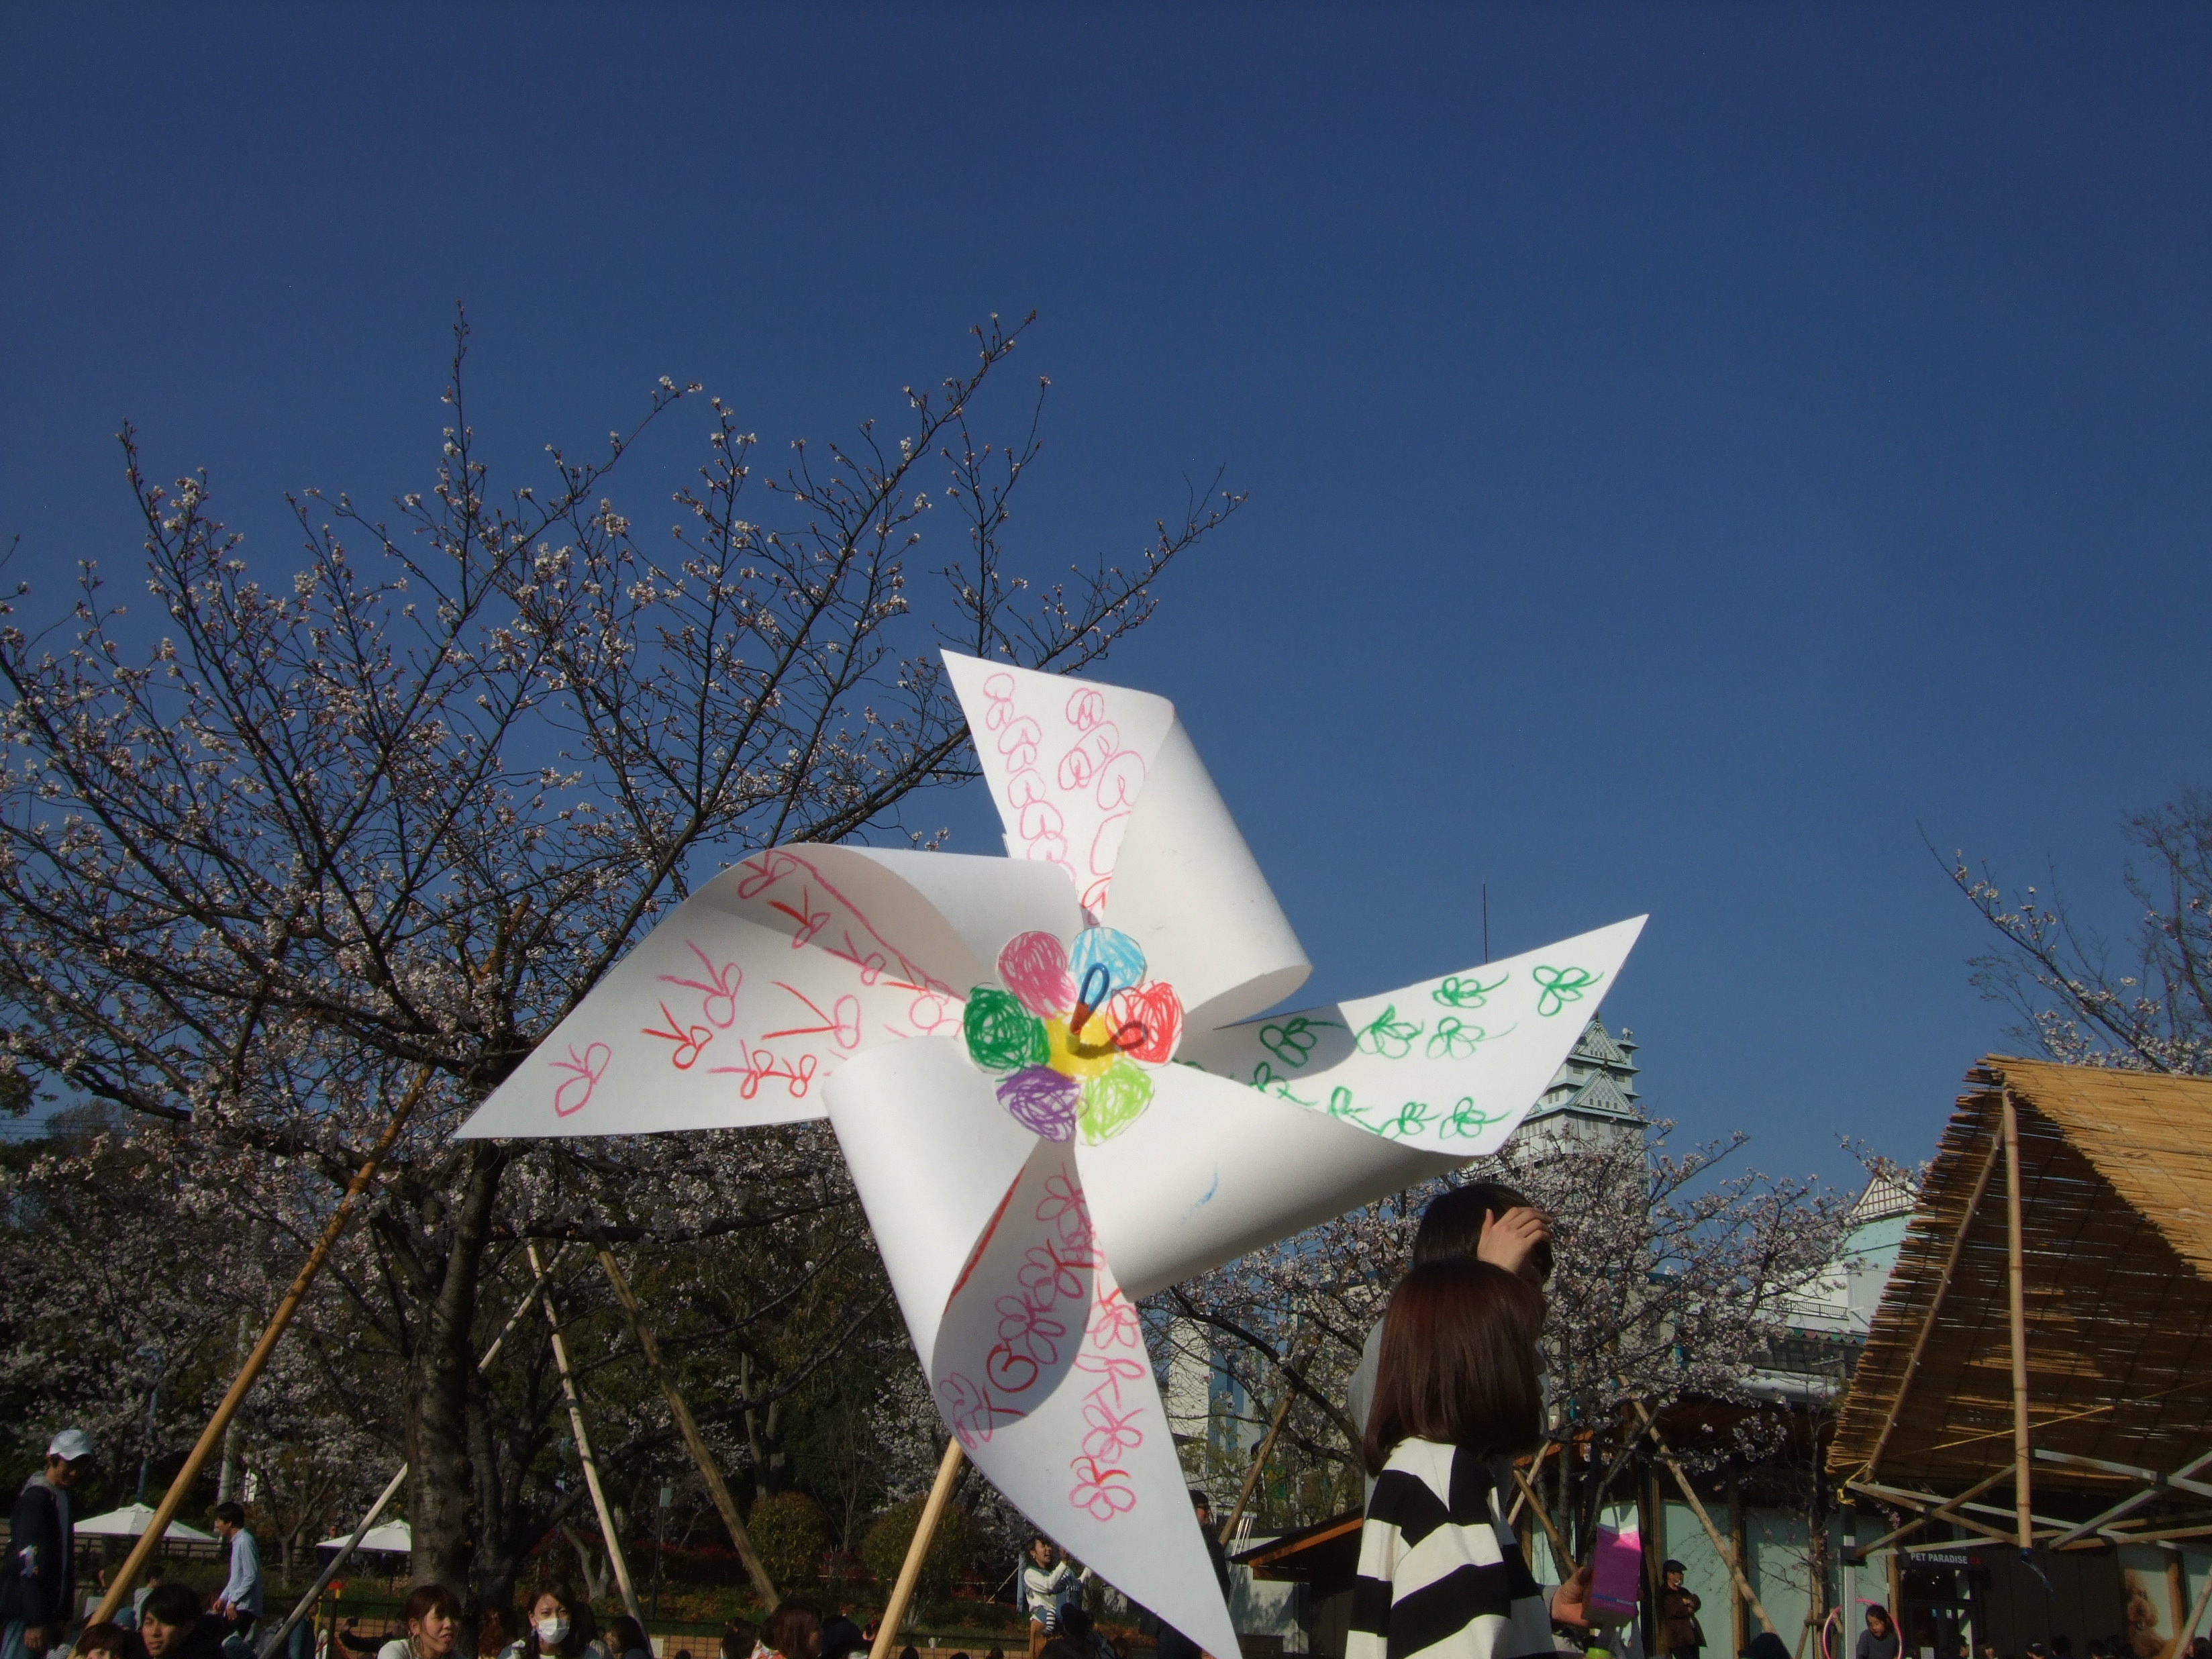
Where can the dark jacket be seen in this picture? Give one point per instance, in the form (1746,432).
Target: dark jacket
(206,1640)
(1677,1621)
(37,1581)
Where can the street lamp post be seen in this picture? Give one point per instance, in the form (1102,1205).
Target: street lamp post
(660,1544)
(148,1350)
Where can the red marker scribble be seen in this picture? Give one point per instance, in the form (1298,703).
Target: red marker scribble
(688,1040)
(574,1093)
(719,998)
(843,1026)
(761,1064)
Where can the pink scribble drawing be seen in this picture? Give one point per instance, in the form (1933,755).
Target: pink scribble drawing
(1086,707)
(1103,1491)
(574,1093)
(718,1000)
(843,1026)
(689,1041)
(969,1408)
(1112,1436)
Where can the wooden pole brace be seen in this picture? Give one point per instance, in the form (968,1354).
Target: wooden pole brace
(1289,1371)
(331,1568)
(1559,1550)
(584,1454)
(1523,1496)
(1725,1550)
(250,1373)
(725,1505)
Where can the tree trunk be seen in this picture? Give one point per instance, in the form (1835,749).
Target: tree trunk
(441,1488)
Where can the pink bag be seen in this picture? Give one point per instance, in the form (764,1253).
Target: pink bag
(1618,1581)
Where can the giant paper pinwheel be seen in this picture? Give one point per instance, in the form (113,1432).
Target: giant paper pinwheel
(1051,1080)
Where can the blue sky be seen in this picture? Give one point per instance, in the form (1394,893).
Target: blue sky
(1693,450)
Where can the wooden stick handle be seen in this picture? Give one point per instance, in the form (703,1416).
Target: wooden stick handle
(250,1373)
(948,1471)
(755,1569)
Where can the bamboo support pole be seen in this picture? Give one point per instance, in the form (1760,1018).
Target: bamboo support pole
(2016,1276)
(1726,1551)
(1935,1308)
(331,1569)
(925,1530)
(717,1489)
(250,1373)
(1942,1511)
(584,1454)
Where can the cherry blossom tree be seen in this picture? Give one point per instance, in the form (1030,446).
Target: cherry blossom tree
(1671,1279)
(2142,1005)
(385,819)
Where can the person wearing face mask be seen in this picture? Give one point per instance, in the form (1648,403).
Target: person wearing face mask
(433,1618)
(560,1628)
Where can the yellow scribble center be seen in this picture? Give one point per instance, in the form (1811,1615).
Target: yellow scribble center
(1083,1057)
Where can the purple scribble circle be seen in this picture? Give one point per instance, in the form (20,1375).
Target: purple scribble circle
(1042,1101)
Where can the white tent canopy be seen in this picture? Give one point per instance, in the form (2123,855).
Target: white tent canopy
(131,1520)
(393,1538)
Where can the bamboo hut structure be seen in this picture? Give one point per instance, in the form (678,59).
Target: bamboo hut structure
(2037,1384)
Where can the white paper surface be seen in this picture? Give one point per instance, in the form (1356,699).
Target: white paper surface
(1188,889)
(1034,1356)
(1451,1064)
(1215,1169)
(1065,759)
(744,998)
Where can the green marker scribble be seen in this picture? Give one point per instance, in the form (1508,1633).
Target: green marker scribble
(1265,1080)
(1561,986)
(1002,1035)
(1452,1039)
(1114,1100)
(1388,1038)
(1292,1042)
(1339,1104)
(1412,1118)
(1466,991)
(1467,1121)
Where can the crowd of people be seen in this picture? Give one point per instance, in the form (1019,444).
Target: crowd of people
(1448,1389)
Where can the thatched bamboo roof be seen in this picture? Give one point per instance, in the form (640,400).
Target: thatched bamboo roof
(2116,1178)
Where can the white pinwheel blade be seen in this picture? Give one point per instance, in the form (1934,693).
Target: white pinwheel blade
(1214,1169)
(1104,782)
(1035,1355)
(742,1002)
(1452,1064)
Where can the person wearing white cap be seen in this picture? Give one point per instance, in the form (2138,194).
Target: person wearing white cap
(38,1580)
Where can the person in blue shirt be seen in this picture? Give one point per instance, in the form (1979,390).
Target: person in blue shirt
(239,1604)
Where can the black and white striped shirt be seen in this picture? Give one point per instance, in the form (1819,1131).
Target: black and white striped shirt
(1440,1572)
